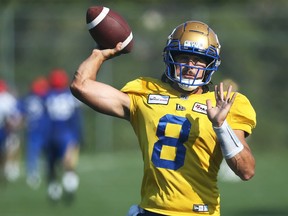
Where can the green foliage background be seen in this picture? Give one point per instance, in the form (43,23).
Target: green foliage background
(37,36)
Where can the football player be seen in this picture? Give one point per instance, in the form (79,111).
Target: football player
(184,129)
(10,120)
(36,128)
(64,136)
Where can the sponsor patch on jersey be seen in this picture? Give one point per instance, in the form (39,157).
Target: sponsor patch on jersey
(200,108)
(180,107)
(158,99)
(200,208)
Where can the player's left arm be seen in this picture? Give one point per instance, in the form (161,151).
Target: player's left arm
(232,142)
(243,163)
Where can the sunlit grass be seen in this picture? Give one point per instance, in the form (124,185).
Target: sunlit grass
(110,183)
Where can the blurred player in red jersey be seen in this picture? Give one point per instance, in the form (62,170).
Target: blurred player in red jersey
(184,129)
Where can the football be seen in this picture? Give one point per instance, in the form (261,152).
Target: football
(108,28)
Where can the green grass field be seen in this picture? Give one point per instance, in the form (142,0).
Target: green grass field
(110,183)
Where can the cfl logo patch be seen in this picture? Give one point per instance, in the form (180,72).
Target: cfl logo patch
(200,208)
(180,107)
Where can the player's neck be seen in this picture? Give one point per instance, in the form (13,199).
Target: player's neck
(198,90)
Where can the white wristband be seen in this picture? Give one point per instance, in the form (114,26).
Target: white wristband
(229,142)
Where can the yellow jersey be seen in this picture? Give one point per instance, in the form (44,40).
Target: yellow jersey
(178,144)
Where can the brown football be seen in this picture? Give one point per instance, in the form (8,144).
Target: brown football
(108,28)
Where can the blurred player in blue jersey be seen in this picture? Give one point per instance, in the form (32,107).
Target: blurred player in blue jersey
(184,129)
(36,128)
(10,119)
(65,135)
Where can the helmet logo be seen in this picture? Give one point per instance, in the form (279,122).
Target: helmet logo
(195,44)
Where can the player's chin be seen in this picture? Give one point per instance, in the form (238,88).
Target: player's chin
(190,77)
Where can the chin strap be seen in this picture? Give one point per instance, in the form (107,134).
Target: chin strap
(187,87)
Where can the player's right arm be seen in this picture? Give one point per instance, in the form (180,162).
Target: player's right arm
(99,96)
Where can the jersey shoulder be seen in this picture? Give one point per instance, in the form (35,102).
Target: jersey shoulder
(145,85)
(242,114)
